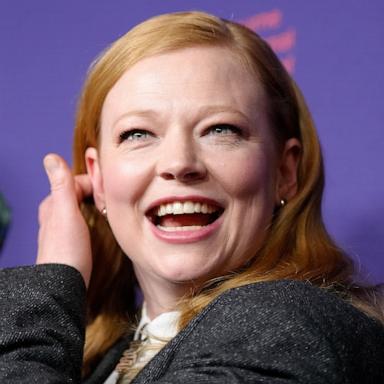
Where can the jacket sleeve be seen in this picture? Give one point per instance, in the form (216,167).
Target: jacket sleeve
(41,324)
(276,333)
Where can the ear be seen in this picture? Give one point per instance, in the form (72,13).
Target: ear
(286,186)
(92,162)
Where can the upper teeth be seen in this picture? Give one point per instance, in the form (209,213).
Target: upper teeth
(179,208)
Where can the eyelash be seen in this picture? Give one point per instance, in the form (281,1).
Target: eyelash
(223,127)
(217,130)
(129,135)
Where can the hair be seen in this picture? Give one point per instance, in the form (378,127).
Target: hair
(297,245)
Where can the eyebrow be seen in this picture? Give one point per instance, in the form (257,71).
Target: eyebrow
(210,109)
(203,111)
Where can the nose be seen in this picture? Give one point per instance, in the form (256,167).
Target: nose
(180,160)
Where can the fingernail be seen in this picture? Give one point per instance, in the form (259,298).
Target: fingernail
(51,164)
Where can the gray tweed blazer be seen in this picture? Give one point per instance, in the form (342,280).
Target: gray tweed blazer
(274,332)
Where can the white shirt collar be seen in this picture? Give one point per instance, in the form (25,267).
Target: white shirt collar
(164,326)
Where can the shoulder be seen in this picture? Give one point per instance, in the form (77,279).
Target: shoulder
(302,327)
(268,331)
(295,302)
(283,318)
(287,295)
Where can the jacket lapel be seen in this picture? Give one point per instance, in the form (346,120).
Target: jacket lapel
(109,362)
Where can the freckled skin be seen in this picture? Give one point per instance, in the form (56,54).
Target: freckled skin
(175,99)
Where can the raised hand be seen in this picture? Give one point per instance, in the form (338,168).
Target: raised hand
(63,234)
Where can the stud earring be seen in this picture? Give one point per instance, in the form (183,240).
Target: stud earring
(283,202)
(104,212)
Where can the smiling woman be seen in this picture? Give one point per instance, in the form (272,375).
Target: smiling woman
(186,154)
(206,179)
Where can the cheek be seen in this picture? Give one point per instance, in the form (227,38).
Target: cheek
(124,179)
(246,175)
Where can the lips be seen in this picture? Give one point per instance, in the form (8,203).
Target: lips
(184,214)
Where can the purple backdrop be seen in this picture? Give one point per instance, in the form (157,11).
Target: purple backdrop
(334,49)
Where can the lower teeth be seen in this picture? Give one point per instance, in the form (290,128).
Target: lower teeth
(186,228)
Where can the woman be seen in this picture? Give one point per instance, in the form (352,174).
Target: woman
(206,177)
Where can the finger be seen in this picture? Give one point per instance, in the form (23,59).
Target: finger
(43,209)
(83,187)
(61,180)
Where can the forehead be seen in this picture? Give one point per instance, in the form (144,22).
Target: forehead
(192,77)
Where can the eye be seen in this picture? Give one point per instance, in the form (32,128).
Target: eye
(134,135)
(224,130)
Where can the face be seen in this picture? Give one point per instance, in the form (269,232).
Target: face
(187,168)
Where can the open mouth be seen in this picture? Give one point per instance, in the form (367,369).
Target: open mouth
(184,216)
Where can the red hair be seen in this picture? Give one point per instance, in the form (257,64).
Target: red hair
(297,245)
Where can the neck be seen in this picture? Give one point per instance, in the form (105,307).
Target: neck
(161,296)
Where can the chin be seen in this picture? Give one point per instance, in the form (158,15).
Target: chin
(184,270)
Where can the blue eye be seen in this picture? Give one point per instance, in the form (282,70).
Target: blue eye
(224,129)
(134,135)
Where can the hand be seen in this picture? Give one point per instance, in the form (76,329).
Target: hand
(63,235)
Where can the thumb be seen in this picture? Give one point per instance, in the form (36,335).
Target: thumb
(60,178)
(63,234)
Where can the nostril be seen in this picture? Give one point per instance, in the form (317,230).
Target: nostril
(183,175)
(191,176)
(167,176)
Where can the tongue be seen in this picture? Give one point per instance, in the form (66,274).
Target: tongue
(185,220)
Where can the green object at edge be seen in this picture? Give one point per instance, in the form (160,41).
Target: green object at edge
(5,218)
